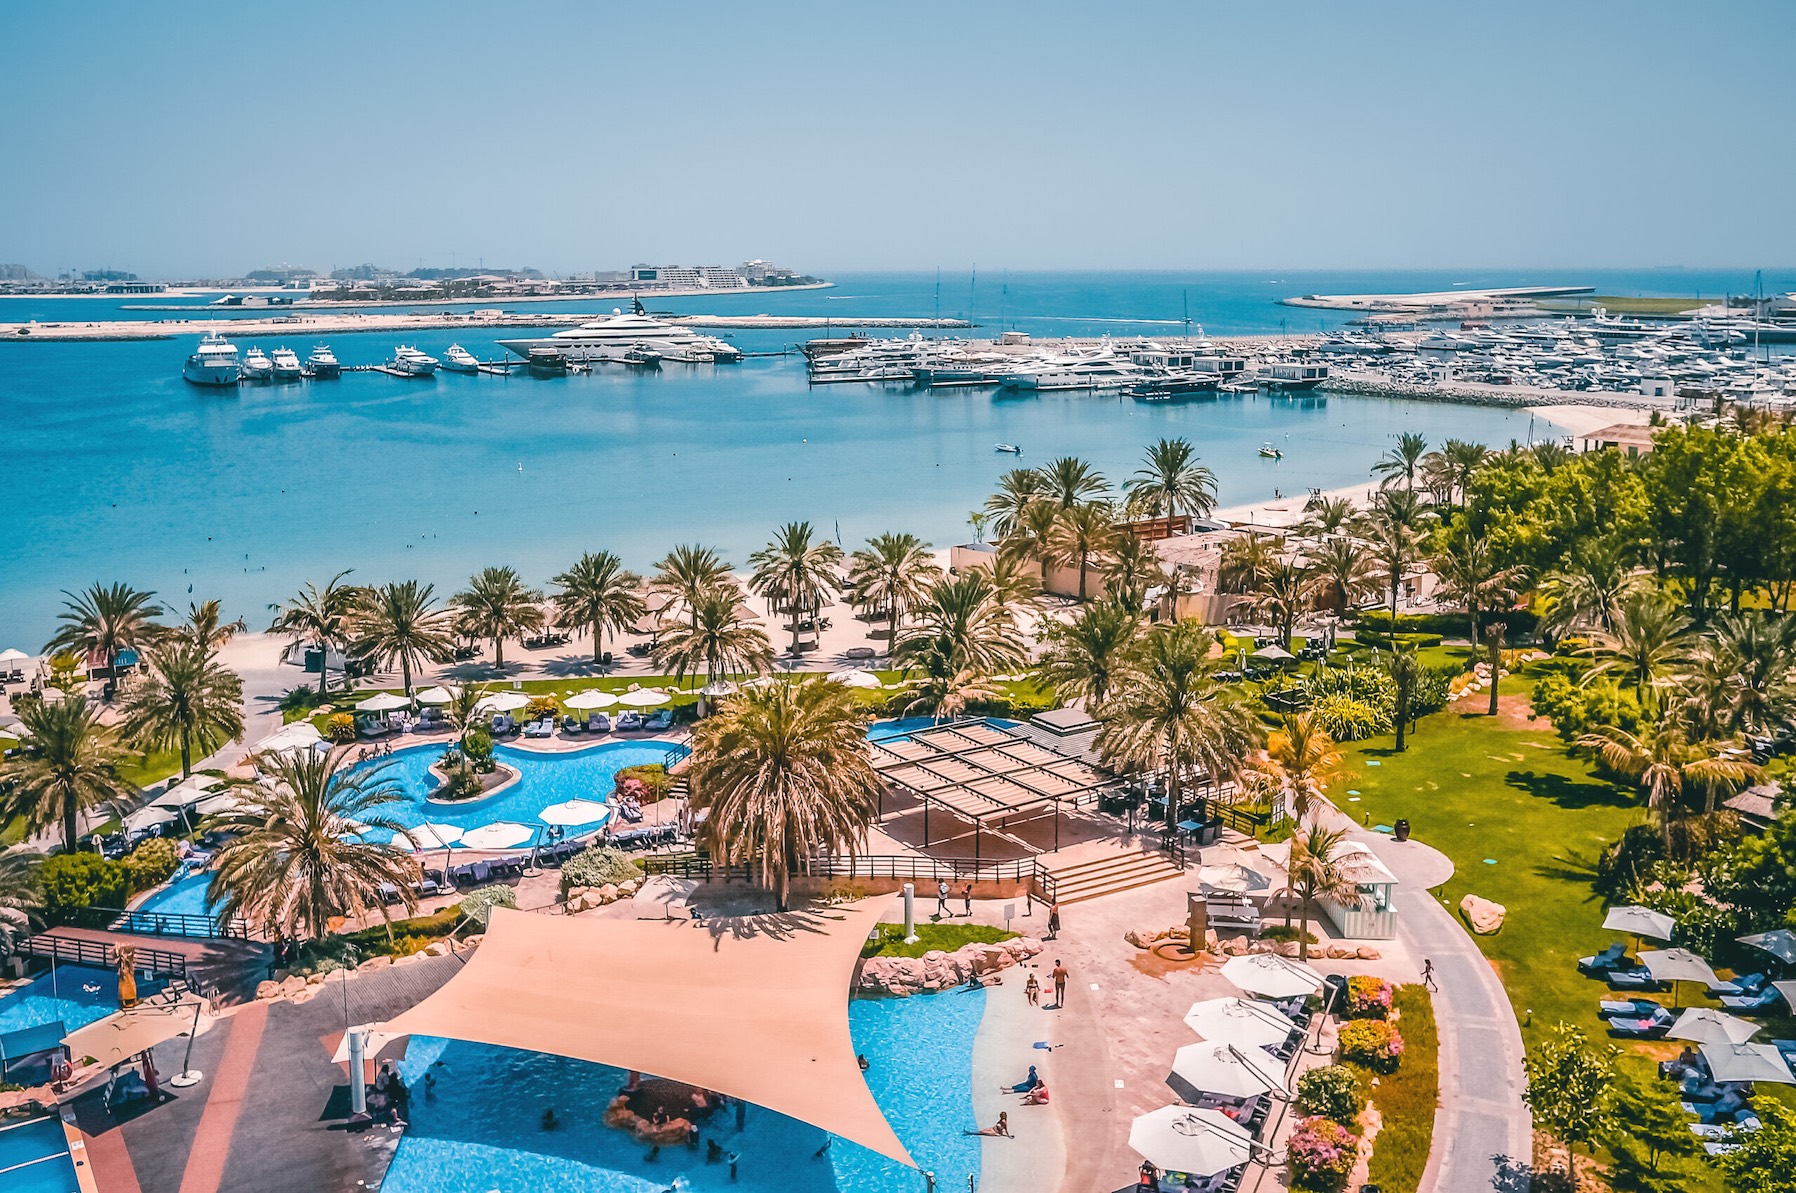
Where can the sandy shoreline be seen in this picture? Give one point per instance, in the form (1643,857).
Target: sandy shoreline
(1004,1048)
(1578,421)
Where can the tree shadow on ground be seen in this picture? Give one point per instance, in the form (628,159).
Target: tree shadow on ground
(1568,792)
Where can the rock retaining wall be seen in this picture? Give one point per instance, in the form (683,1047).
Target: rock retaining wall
(937,970)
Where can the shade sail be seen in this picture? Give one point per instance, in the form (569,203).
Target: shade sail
(374,1042)
(753,1007)
(1707,1026)
(1779,942)
(118,1038)
(1183,1139)
(1639,921)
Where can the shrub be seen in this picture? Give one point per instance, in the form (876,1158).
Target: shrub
(150,863)
(1433,686)
(478,746)
(1284,932)
(340,728)
(478,905)
(1322,1154)
(596,867)
(1348,718)
(1332,1092)
(396,939)
(1371,1042)
(1368,997)
(461,784)
(1373,638)
(542,706)
(1519,622)
(1576,708)
(73,881)
(299,701)
(646,783)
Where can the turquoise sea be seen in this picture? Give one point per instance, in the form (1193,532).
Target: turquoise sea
(113,468)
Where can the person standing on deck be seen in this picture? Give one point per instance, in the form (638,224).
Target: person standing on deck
(1053,919)
(966,894)
(941,898)
(1060,976)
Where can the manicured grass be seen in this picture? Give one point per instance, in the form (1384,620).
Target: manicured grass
(1406,1099)
(889,939)
(146,767)
(1621,304)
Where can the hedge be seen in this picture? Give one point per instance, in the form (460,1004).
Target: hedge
(1519,622)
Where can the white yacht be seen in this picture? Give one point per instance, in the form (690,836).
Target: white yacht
(286,365)
(613,337)
(412,362)
(323,362)
(459,360)
(257,366)
(214,362)
(1100,370)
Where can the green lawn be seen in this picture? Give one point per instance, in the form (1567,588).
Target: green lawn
(947,937)
(1407,1099)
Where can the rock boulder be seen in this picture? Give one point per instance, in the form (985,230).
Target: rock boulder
(1484,916)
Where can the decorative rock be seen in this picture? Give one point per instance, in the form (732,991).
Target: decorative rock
(316,979)
(1288,948)
(629,886)
(1366,952)
(1141,938)
(1484,916)
(268,989)
(936,970)
(607,893)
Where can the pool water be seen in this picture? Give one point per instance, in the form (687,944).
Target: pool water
(479,1129)
(544,779)
(185,895)
(905,726)
(34,1158)
(75,994)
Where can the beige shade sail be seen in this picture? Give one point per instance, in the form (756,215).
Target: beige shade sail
(754,1007)
(119,1037)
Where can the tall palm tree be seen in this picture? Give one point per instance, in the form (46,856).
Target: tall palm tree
(1343,573)
(961,626)
(1132,570)
(1171,482)
(1324,515)
(1018,489)
(1589,591)
(1392,545)
(1083,532)
(598,594)
(797,573)
(21,897)
(688,572)
(1167,712)
(1746,665)
(1246,562)
(891,573)
(1016,588)
(1070,481)
(300,856)
(785,772)
(206,625)
(401,623)
(497,605)
(320,616)
(67,764)
(1662,761)
(1081,657)
(1031,536)
(1304,759)
(1406,675)
(1402,461)
(189,700)
(1319,870)
(1459,459)
(1649,636)
(1284,596)
(106,619)
(941,691)
(1471,575)
(717,643)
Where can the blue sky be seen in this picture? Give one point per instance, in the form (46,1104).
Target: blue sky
(194,139)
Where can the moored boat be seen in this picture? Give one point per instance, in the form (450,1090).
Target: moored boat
(322,363)
(214,362)
(286,365)
(412,363)
(256,365)
(459,360)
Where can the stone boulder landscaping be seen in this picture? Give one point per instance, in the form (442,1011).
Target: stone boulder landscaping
(1484,916)
(586,898)
(936,970)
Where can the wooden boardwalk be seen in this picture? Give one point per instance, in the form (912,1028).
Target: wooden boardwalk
(231,968)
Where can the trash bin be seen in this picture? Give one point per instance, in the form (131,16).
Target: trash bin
(1402,830)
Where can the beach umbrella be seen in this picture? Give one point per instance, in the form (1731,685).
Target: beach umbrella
(383,702)
(437,695)
(1779,942)
(722,687)
(218,805)
(1232,878)
(1245,1022)
(501,834)
(188,791)
(1788,990)
(433,836)
(575,811)
(1675,966)
(1271,975)
(1638,922)
(644,698)
(1274,654)
(590,698)
(855,677)
(1705,1026)
(149,817)
(1747,1062)
(1185,1139)
(11,726)
(503,702)
(13,654)
(298,735)
(1221,1068)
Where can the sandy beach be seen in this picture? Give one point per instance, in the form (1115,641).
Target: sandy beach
(1033,1158)
(1582,420)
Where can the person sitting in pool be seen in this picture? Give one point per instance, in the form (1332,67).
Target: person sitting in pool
(1000,1128)
(1026,1084)
(550,1122)
(713,1152)
(1037,1096)
(659,1118)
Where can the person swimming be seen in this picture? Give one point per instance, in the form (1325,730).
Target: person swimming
(550,1122)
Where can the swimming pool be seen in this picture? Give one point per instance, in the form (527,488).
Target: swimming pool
(184,895)
(544,779)
(905,726)
(480,1128)
(34,1158)
(75,994)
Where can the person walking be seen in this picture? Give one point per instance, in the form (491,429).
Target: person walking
(1428,974)
(966,896)
(1053,919)
(941,898)
(1032,991)
(1060,976)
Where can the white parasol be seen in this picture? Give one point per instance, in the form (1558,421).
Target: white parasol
(1747,1062)
(13,654)
(433,836)
(1639,921)
(221,804)
(188,791)
(502,834)
(644,698)
(1223,1069)
(383,702)
(1271,975)
(855,677)
(149,817)
(1779,942)
(1707,1026)
(374,1042)
(575,811)
(437,695)
(1245,1022)
(1185,1139)
(590,698)
(503,702)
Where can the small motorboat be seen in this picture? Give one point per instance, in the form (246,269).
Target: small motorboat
(257,366)
(642,356)
(548,362)
(459,360)
(1270,452)
(1012,448)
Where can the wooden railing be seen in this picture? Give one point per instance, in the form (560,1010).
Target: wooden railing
(101,954)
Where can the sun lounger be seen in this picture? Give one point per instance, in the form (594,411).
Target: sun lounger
(1723,1130)
(542,728)
(1746,1004)
(572,724)
(1610,958)
(1650,1027)
(1750,983)
(1626,1008)
(1723,1110)
(598,723)
(627,721)
(660,719)
(1636,978)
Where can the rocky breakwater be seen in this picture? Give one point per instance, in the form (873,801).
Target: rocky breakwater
(937,970)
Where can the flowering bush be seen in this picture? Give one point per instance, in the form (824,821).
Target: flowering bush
(1332,1092)
(1372,1043)
(1368,997)
(1322,1154)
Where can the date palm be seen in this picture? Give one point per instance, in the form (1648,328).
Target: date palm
(1402,461)
(960,626)
(67,764)
(797,573)
(1459,460)
(1171,482)
(1015,587)
(1070,481)
(21,898)
(1285,594)
(1591,589)
(1082,533)
(1406,673)
(300,856)
(1080,658)
(321,617)
(1648,638)
(1304,759)
(1471,575)
(106,620)
(1167,712)
(1246,562)
(598,594)
(206,625)
(1132,570)
(1662,761)
(497,605)
(1031,536)
(1324,515)
(716,643)
(1319,869)
(1018,489)
(891,573)
(1745,672)
(188,700)
(1343,573)
(1393,544)
(785,773)
(401,624)
(688,572)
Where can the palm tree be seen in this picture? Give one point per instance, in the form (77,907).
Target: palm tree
(1168,712)
(320,616)
(1402,461)
(1031,536)
(1648,637)
(1132,570)
(1081,657)
(1662,761)
(67,764)
(1459,459)
(688,572)
(1015,588)
(1070,481)
(943,692)
(189,700)
(206,625)
(1392,545)
(402,624)
(301,857)
(1304,759)
(960,626)
(598,594)
(1323,516)
(497,605)
(106,619)
(796,573)
(1591,589)
(1018,489)
(1746,665)
(1406,675)
(1246,562)
(1082,532)
(1283,597)
(21,897)
(1471,576)
(1171,482)
(891,574)
(785,772)
(1342,572)
(1317,870)
(717,643)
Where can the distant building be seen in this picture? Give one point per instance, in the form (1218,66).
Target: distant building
(135,288)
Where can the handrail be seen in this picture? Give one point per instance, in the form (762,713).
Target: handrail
(102,954)
(159,923)
(907,866)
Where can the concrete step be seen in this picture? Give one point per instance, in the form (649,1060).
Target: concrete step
(1107,876)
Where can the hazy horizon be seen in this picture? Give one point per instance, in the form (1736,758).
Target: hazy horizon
(1046,137)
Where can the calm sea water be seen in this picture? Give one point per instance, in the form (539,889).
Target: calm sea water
(113,468)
